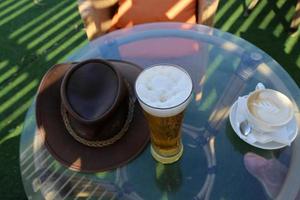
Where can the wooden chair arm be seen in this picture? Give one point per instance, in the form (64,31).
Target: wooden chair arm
(97,16)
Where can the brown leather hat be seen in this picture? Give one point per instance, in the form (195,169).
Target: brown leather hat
(88,117)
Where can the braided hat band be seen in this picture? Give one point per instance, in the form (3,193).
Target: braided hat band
(102,143)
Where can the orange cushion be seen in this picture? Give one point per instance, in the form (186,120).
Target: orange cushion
(131,12)
(160,48)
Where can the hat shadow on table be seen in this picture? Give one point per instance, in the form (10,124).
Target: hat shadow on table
(87,115)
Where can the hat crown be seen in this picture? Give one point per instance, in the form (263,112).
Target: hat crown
(92,90)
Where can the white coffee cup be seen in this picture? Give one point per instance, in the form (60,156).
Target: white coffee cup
(268,110)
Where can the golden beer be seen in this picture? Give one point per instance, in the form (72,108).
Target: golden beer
(164,97)
(165,134)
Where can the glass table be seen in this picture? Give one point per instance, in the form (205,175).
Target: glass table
(223,67)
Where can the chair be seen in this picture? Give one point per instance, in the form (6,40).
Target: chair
(99,15)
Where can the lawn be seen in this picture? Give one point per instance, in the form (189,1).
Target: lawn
(34,35)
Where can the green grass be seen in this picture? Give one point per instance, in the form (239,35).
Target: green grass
(34,35)
(267,27)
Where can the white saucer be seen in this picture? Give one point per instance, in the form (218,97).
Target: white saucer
(292,125)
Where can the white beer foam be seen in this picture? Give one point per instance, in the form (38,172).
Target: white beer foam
(164,90)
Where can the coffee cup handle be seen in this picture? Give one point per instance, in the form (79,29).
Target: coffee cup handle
(260,86)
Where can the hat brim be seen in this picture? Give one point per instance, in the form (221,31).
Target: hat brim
(69,152)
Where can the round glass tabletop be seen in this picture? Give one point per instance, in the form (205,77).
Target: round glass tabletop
(216,163)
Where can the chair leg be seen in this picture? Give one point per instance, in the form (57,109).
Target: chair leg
(250,7)
(295,24)
(206,11)
(252,4)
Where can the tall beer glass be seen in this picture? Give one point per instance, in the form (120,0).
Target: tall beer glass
(164,91)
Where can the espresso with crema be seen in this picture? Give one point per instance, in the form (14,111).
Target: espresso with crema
(270,106)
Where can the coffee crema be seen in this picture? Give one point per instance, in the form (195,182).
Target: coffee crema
(270,106)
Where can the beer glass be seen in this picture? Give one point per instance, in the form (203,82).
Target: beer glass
(164,91)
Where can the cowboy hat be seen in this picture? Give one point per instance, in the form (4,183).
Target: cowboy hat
(87,115)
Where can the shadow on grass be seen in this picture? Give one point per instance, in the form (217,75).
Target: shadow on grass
(276,49)
(22,66)
(267,27)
